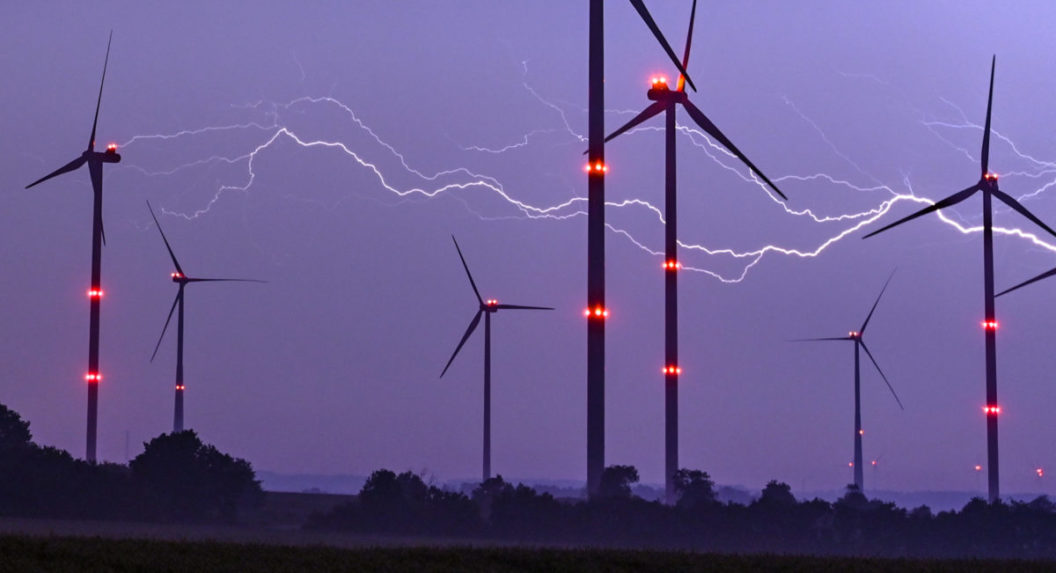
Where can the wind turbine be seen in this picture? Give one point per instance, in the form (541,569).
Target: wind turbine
(180,278)
(987,184)
(856,336)
(667,100)
(1042,276)
(487,308)
(95,161)
(596,311)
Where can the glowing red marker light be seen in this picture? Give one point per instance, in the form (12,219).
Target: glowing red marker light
(672,265)
(874,462)
(990,325)
(112,147)
(978,468)
(1040,472)
(177,276)
(491,302)
(597,312)
(671,370)
(990,176)
(853,334)
(596,167)
(95,293)
(850,464)
(992,410)
(179,387)
(862,433)
(93,377)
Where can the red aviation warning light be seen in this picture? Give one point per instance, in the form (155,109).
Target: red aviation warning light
(672,265)
(491,302)
(990,176)
(850,464)
(862,433)
(658,81)
(853,334)
(95,293)
(1040,472)
(176,275)
(992,410)
(978,468)
(93,377)
(874,462)
(671,370)
(990,325)
(179,387)
(596,167)
(596,312)
(111,148)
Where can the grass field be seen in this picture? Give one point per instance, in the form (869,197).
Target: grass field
(60,554)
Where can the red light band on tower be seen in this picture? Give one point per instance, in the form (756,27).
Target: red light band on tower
(596,167)
(990,325)
(596,312)
(95,293)
(672,265)
(93,377)
(671,370)
(179,387)
(992,410)
(491,302)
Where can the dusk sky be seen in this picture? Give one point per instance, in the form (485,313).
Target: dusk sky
(332,148)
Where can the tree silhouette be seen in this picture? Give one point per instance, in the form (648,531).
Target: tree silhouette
(188,480)
(616,482)
(695,489)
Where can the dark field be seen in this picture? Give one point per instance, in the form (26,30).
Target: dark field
(29,553)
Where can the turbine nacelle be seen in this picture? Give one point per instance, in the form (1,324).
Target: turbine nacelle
(989,180)
(854,334)
(109,156)
(177,277)
(490,305)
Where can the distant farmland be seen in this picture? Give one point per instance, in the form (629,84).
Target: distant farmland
(47,553)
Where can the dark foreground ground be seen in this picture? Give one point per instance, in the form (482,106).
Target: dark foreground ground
(48,553)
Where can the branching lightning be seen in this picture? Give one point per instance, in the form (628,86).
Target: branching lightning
(431,185)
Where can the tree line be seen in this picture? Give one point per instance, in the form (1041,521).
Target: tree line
(776,522)
(176,478)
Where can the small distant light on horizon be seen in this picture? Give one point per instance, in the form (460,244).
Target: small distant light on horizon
(850,464)
(978,468)
(874,462)
(1040,472)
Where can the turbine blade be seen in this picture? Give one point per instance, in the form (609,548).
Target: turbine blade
(820,339)
(225,280)
(1043,275)
(95,170)
(889,386)
(469,331)
(98,102)
(712,130)
(644,13)
(71,166)
(861,331)
(468,274)
(985,155)
(167,320)
(689,40)
(172,255)
(647,113)
(947,202)
(1019,208)
(517,306)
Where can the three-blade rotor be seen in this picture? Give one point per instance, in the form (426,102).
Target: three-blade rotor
(987,182)
(182,279)
(485,306)
(679,96)
(857,338)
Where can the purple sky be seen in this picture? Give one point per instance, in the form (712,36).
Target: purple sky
(332,367)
